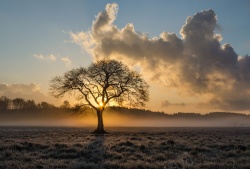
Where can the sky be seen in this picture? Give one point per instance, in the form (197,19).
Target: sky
(194,54)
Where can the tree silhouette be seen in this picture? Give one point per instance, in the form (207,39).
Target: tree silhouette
(45,105)
(4,103)
(18,103)
(30,104)
(102,82)
(65,105)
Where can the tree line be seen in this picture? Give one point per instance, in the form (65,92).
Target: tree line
(22,104)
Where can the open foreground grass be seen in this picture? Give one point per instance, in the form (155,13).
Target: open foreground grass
(166,148)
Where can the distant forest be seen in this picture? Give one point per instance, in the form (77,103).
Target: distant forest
(23,112)
(149,113)
(7,104)
(21,105)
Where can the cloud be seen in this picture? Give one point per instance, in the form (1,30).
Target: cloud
(66,61)
(51,57)
(30,91)
(166,103)
(45,57)
(195,64)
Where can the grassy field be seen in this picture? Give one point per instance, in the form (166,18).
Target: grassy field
(166,148)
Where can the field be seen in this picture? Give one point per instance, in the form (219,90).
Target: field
(166,148)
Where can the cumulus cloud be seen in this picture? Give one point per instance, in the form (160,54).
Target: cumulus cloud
(66,61)
(166,103)
(45,57)
(30,91)
(196,64)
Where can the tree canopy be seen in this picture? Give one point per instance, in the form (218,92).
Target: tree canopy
(101,83)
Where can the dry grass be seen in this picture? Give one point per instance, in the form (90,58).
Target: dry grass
(166,148)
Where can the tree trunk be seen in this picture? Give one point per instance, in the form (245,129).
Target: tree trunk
(100,126)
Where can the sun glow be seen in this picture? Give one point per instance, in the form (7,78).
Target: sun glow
(101,104)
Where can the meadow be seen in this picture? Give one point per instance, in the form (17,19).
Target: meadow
(124,148)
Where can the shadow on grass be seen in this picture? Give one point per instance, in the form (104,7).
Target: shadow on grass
(92,154)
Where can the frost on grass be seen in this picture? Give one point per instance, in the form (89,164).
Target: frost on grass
(167,148)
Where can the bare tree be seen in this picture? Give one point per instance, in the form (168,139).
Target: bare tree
(45,105)
(30,105)
(18,103)
(102,82)
(65,105)
(4,103)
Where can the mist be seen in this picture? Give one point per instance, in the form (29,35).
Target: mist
(122,117)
